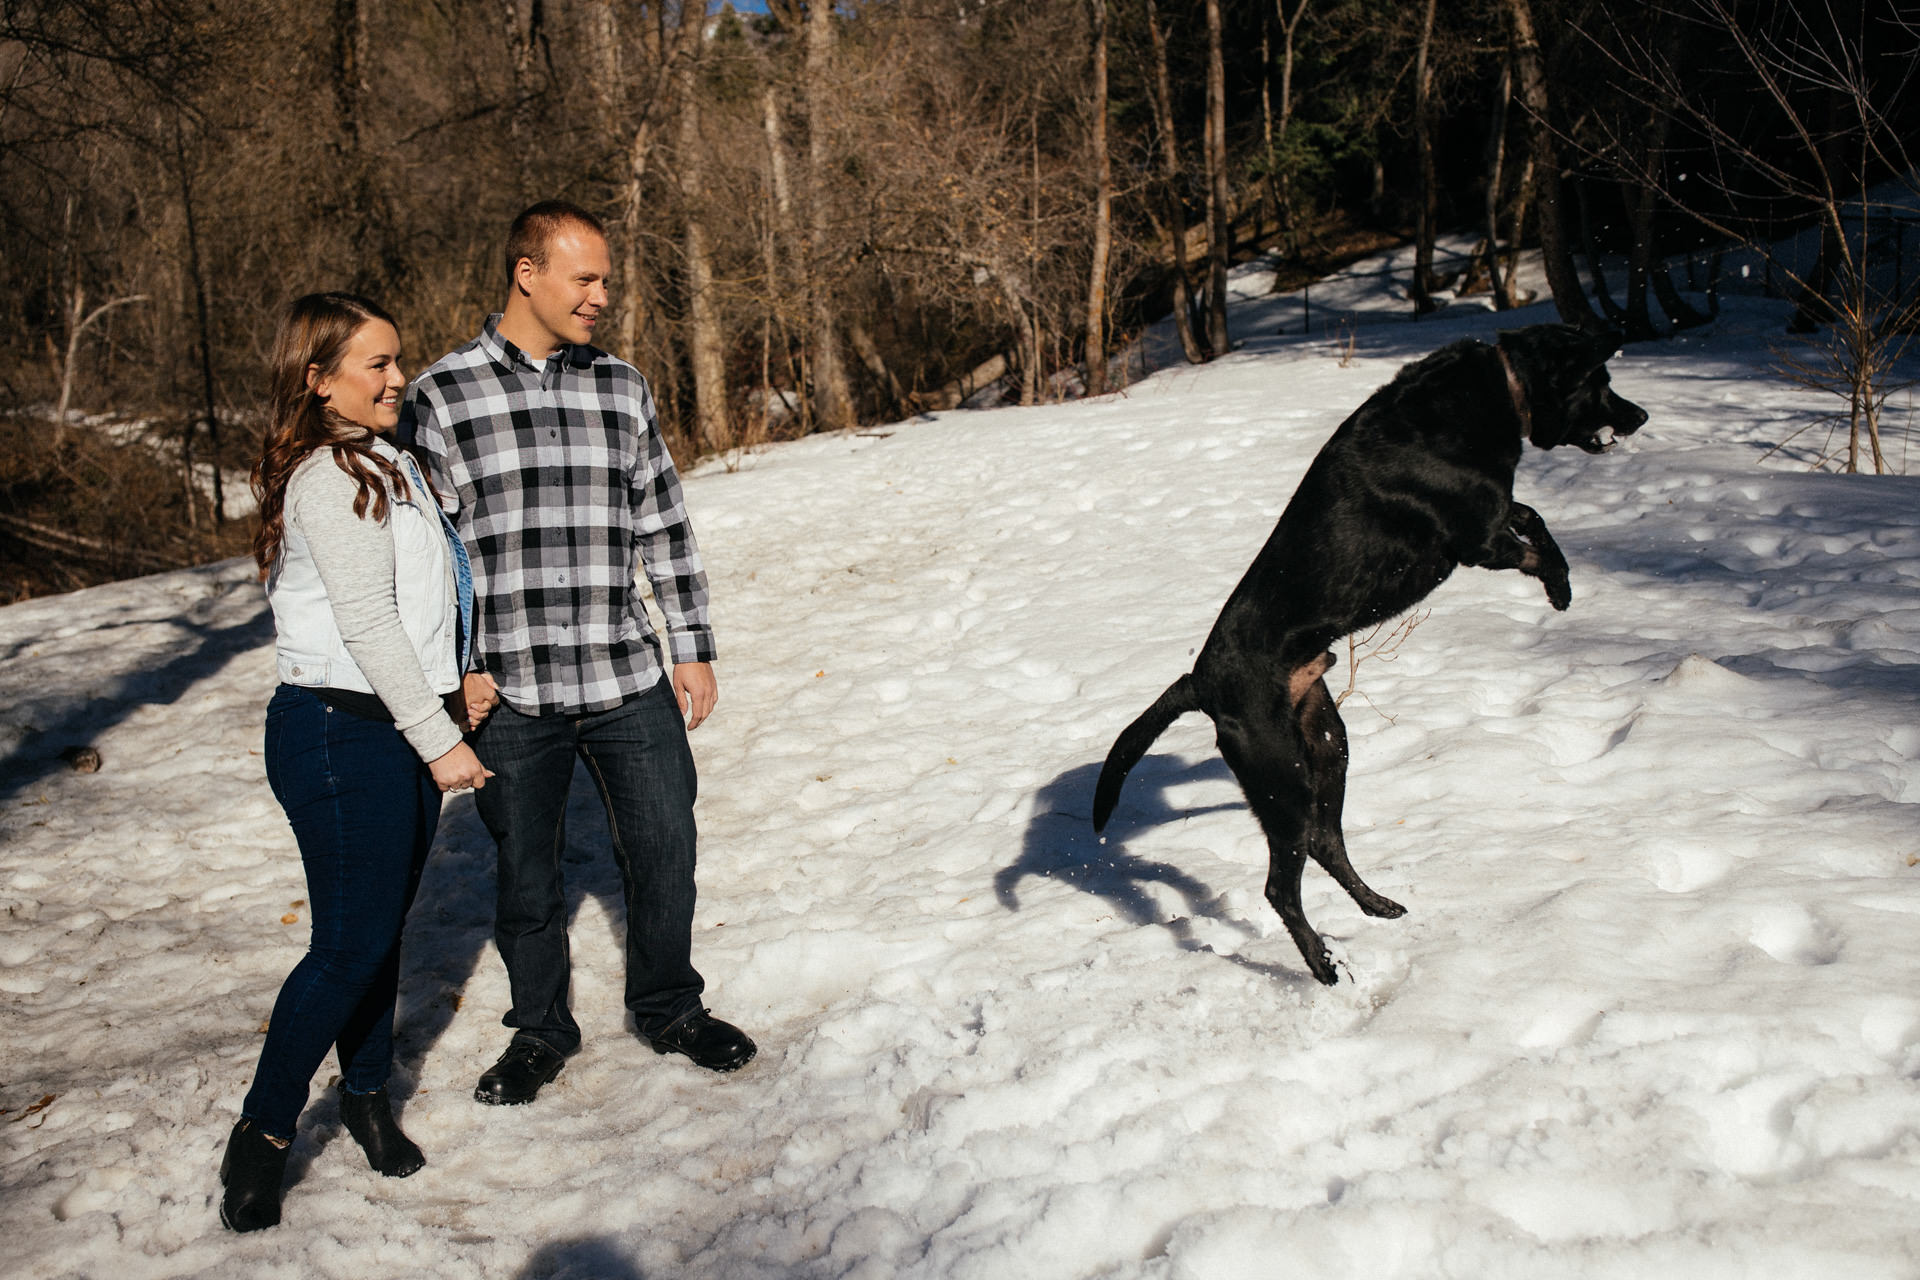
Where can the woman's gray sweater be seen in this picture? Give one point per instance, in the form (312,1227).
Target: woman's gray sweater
(354,557)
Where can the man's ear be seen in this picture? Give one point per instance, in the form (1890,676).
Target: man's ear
(523,273)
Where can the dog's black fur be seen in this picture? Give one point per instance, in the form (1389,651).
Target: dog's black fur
(1417,481)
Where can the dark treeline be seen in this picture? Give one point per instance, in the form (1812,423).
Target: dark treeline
(831,215)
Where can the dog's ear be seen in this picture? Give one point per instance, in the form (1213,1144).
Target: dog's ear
(1551,360)
(1547,348)
(1554,344)
(1606,342)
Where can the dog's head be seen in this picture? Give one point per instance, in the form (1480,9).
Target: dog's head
(1562,372)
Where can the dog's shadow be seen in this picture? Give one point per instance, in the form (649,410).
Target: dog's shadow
(1061,845)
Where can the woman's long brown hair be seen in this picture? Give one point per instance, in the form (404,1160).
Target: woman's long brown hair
(314,333)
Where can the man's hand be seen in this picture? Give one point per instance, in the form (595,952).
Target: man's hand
(696,690)
(481,696)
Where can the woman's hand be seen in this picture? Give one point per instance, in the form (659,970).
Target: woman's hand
(459,770)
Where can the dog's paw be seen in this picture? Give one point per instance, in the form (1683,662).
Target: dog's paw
(1381,908)
(1320,965)
(1560,595)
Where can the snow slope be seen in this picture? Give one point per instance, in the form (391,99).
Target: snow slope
(1653,1009)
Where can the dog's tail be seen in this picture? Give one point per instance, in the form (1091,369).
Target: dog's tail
(1134,741)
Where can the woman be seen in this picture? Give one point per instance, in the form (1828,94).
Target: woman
(372,609)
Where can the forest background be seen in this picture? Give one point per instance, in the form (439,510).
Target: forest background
(827,215)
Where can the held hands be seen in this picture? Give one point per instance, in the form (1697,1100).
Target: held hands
(459,770)
(482,696)
(696,690)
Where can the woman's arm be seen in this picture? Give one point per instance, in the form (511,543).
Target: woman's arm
(355,559)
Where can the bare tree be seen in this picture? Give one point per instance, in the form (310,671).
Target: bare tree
(1102,205)
(1500,272)
(833,399)
(1173,197)
(1219,200)
(1429,182)
(1568,297)
(1810,71)
(1277,164)
(77,326)
(706,340)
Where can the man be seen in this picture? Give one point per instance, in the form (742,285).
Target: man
(548,458)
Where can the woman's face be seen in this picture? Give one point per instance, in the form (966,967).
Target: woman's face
(366,386)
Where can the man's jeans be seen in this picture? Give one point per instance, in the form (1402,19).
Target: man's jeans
(363,810)
(638,758)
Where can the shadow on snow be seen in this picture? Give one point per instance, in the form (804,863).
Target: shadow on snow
(1060,845)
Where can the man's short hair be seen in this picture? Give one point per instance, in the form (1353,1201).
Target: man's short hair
(533,231)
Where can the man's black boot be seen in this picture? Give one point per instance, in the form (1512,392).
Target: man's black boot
(711,1043)
(517,1077)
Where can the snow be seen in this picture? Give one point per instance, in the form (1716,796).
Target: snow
(1652,1010)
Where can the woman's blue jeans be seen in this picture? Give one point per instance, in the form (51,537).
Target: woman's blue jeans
(637,755)
(363,809)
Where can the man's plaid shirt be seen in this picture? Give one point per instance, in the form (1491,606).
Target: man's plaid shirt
(559,482)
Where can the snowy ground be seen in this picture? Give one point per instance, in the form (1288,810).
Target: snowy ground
(1653,1009)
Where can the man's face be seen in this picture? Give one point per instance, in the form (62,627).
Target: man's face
(568,294)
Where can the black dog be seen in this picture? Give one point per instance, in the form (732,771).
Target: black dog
(1417,481)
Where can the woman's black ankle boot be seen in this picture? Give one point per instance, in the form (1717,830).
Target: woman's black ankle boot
(251,1171)
(369,1118)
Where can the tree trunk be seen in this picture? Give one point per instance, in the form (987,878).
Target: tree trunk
(1288,27)
(1162,91)
(706,343)
(1499,280)
(1102,209)
(780,231)
(1568,299)
(206,345)
(76,304)
(77,326)
(960,390)
(1596,271)
(1682,314)
(1266,122)
(609,77)
(378,263)
(522,20)
(1029,329)
(869,352)
(1517,228)
(832,398)
(1422,291)
(632,309)
(1219,219)
(1643,259)
(1019,299)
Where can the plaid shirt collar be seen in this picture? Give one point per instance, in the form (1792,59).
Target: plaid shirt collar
(504,353)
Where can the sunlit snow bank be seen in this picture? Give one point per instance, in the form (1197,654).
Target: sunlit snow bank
(1653,1010)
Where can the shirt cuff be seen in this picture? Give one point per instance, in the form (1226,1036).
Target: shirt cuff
(691,644)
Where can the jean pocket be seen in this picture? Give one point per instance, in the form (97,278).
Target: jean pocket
(298,747)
